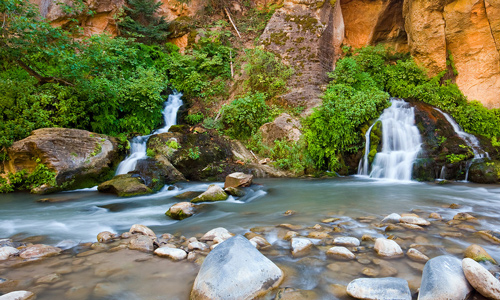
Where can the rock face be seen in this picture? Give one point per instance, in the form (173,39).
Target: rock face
(481,279)
(126,185)
(238,179)
(442,279)
(230,272)
(213,193)
(80,158)
(284,127)
(180,211)
(379,288)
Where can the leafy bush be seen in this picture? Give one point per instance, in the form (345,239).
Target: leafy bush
(23,180)
(194,118)
(245,115)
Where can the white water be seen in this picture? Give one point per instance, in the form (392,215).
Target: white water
(138,143)
(401,143)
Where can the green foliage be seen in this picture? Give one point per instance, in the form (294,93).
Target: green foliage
(141,21)
(194,118)
(290,155)
(245,115)
(23,180)
(456,158)
(172,144)
(194,153)
(150,152)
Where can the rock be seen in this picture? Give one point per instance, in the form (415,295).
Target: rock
(346,241)
(455,206)
(387,248)
(435,216)
(141,229)
(415,221)
(238,179)
(284,127)
(234,191)
(290,234)
(7,251)
(156,172)
(181,210)
(229,272)
(379,288)
(318,235)
(80,158)
(219,233)
(490,235)
(300,246)
(213,193)
(481,279)
(50,278)
(106,290)
(126,185)
(485,171)
(443,279)
(172,253)
(197,246)
(261,242)
(477,253)
(105,237)
(465,217)
(18,295)
(416,255)
(294,294)
(341,253)
(39,250)
(370,272)
(392,218)
(188,195)
(142,243)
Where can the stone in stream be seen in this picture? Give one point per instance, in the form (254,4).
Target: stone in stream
(39,250)
(235,270)
(105,237)
(392,218)
(172,253)
(289,293)
(217,234)
(181,210)
(416,255)
(141,229)
(236,192)
(379,288)
(475,252)
(341,253)
(414,220)
(300,246)
(443,278)
(18,295)
(238,179)
(387,248)
(490,235)
(142,243)
(346,241)
(125,185)
(481,279)
(213,193)
(7,251)
(465,217)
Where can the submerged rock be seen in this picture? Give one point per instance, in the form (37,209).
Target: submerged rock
(142,243)
(490,235)
(213,193)
(300,246)
(387,248)
(18,295)
(341,253)
(379,289)
(181,210)
(235,270)
(481,279)
(295,294)
(125,185)
(444,279)
(238,179)
(416,255)
(39,250)
(414,221)
(236,192)
(478,254)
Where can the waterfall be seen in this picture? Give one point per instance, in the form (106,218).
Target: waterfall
(138,143)
(401,143)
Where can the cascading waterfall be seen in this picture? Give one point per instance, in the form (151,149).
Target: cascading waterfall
(138,143)
(469,139)
(401,143)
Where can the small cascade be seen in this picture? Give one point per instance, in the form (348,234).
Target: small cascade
(401,143)
(138,144)
(364,163)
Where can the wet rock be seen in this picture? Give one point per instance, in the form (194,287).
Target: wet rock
(443,279)
(330,220)
(234,191)
(485,171)
(414,220)
(125,185)
(238,179)
(451,234)
(188,195)
(481,279)
(18,295)
(141,229)
(465,217)
(412,226)
(318,235)
(142,243)
(181,210)
(341,253)
(290,234)
(217,234)
(346,241)
(50,278)
(78,293)
(455,206)
(295,294)
(392,218)
(105,237)
(490,235)
(213,193)
(261,242)
(39,250)
(379,288)
(478,254)
(172,253)
(229,272)
(291,227)
(106,290)
(394,227)
(197,246)
(416,255)
(435,216)
(300,246)
(370,272)
(387,248)
(7,251)
(367,237)
(289,212)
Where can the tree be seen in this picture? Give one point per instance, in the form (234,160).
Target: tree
(142,22)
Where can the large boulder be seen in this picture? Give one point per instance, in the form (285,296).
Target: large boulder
(379,288)
(156,173)
(284,127)
(443,278)
(213,193)
(238,179)
(235,269)
(181,210)
(126,185)
(481,279)
(80,158)
(39,250)
(485,171)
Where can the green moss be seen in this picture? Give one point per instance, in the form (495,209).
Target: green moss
(279,38)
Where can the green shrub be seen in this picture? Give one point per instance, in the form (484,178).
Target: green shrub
(194,118)
(23,180)
(245,115)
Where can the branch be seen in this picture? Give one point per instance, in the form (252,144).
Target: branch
(231,20)
(41,79)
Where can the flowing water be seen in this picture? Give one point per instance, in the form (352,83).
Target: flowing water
(401,143)
(138,143)
(143,276)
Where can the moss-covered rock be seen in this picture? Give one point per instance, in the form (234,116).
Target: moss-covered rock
(181,210)
(156,173)
(478,254)
(375,141)
(126,185)
(485,171)
(213,193)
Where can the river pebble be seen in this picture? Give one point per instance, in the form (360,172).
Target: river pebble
(142,243)
(387,248)
(339,252)
(172,253)
(478,254)
(416,255)
(300,246)
(346,241)
(379,288)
